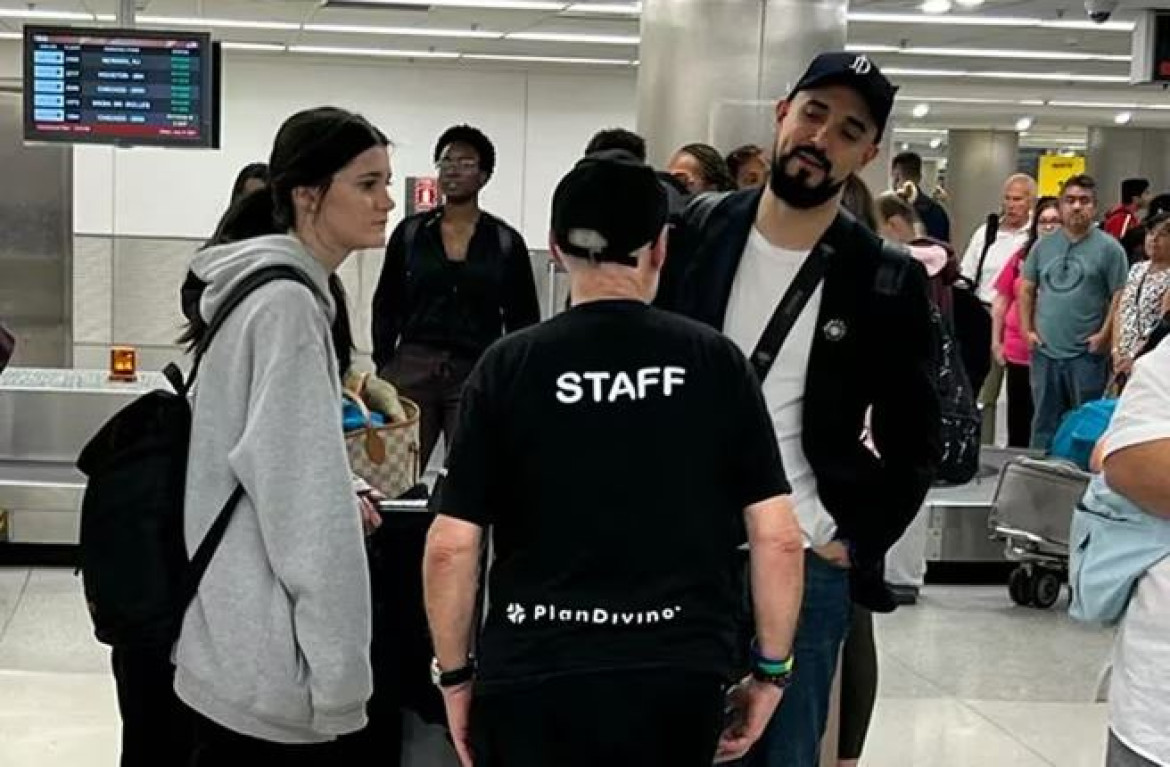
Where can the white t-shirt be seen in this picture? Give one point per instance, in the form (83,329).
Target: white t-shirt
(1007,244)
(763,277)
(1139,697)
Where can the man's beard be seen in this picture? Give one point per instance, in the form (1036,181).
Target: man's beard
(795,190)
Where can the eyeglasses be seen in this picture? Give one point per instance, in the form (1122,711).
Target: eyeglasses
(461,164)
(1158,234)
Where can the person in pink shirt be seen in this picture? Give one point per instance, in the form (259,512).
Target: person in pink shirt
(1009,347)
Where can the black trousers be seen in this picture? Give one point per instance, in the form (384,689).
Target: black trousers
(217,746)
(618,719)
(157,729)
(1019,405)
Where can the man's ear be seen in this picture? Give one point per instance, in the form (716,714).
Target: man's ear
(871,152)
(659,249)
(783,107)
(556,252)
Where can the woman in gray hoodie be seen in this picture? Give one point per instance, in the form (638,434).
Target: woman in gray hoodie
(274,653)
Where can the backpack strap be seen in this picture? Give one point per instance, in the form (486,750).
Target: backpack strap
(991,229)
(207,547)
(246,287)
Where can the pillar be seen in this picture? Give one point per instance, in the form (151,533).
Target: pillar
(1116,154)
(713,71)
(978,162)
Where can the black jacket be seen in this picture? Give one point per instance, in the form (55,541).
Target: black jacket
(934,217)
(463,307)
(885,360)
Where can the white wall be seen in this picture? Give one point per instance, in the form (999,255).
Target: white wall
(538,122)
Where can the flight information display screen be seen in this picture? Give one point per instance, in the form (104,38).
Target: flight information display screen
(121,86)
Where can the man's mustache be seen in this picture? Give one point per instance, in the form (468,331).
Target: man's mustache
(813,155)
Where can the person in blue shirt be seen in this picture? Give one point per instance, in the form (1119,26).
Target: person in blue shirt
(1072,281)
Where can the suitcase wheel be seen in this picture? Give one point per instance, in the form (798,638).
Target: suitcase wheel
(1020,586)
(1045,588)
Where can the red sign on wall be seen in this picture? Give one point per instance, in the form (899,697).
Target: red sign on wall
(422,194)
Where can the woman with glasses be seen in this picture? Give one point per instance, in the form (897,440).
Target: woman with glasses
(455,279)
(1147,295)
(1009,347)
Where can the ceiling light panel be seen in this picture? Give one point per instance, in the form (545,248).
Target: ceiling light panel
(547,59)
(500,5)
(257,47)
(184,21)
(325,50)
(33,14)
(956,20)
(556,37)
(353,29)
(606,9)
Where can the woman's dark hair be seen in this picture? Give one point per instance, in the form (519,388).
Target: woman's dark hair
(257,171)
(741,157)
(472,137)
(858,200)
(310,148)
(1043,204)
(712,165)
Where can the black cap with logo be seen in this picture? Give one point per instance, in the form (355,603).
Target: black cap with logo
(857,72)
(607,207)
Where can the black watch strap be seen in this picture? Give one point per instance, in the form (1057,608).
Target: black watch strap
(457,677)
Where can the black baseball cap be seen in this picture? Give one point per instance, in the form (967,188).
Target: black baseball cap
(857,72)
(608,206)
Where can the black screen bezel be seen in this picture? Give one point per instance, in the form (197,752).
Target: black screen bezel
(209,118)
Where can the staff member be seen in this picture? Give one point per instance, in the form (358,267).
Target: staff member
(455,279)
(618,452)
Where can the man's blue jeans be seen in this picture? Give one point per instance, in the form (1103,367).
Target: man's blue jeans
(1060,386)
(793,737)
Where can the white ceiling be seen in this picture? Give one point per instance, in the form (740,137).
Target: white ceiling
(1058,69)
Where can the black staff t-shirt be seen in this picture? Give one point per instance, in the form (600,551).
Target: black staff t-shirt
(612,450)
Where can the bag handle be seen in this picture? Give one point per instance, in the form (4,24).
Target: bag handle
(374,446)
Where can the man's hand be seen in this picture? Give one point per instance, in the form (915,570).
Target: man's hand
(835,553)
(1097,342)
(1034,340)
(751,704)
(458,702)
(997,353)
(1122,363)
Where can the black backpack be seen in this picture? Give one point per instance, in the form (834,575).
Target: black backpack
(137,578)
(960,423)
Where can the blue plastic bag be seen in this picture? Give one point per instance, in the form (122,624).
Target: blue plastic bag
(1112,544)
(1080,431)
(352,418)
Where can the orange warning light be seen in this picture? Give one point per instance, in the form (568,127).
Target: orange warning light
(123,363)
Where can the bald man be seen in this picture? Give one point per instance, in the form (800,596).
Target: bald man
(1019,198)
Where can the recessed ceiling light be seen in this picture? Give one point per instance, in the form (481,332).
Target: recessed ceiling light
(1123,118)
(936,6)
(500,5)
(935,143)
(192,21)
(1002,53)
(606,9)
(34,14)
(921,110)
(547,59)
(905,146)
(984,21)
(1024,124)
(969,3)
(258,47)
(328,50)
(552,37)
(355,29)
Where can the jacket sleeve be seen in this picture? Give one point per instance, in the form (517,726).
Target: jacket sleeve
(905,420)
(291,462)
(389,309)
(521,307)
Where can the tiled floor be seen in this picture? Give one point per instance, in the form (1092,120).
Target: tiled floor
(967,680)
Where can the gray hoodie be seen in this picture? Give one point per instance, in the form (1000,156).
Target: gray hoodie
(276,643)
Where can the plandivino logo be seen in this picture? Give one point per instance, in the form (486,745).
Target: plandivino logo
(597,616)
